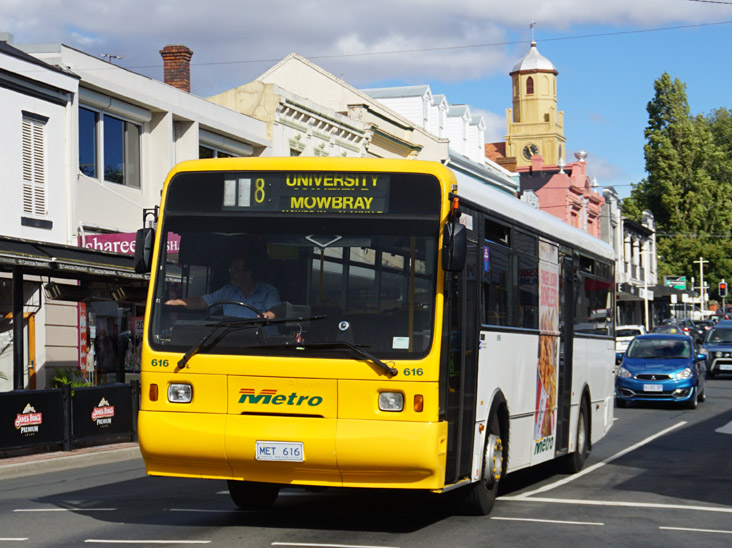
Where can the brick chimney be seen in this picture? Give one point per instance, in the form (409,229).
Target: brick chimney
(177,66)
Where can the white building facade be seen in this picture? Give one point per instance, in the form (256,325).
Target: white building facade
(86,149)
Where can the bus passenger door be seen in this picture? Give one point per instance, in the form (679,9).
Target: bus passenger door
(564,382)
(459,365)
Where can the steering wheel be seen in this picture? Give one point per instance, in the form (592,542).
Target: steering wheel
(261,335)
(258,312)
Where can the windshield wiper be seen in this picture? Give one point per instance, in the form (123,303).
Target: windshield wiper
(228,325)
(339,345)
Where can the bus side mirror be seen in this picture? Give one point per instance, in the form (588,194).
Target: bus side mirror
(144,242)
(454,247)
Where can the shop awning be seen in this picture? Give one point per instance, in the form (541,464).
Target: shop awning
(64,261)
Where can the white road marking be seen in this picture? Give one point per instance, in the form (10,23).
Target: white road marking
(696,530)
(202,510)
(552,521)
(726,429)
(11,539)
(65,510)
(723,510)
(112,541)
(328,545)
(596,466)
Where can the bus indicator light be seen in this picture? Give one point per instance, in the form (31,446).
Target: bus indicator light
(418,403)
(153,393)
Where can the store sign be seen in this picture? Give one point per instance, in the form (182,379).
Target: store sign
(31,417)
(122,242)
(83,337)
(102,410)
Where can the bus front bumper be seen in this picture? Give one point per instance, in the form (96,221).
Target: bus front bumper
(335,452)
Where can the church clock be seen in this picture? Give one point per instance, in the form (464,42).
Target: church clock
(530,150)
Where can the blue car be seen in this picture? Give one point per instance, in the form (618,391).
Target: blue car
(661,367)
(718,349)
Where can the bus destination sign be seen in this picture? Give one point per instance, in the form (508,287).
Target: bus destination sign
(308,192)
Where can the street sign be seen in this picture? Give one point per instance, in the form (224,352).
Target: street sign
(677,282)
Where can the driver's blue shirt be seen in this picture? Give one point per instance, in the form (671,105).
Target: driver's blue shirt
(263,298)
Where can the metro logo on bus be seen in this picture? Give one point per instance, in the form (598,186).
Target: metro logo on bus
(270,397)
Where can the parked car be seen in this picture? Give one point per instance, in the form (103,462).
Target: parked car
(626,333)
(689,327)
(662,367)
(718,349)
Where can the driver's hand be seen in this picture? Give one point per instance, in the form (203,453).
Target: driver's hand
(269,315)
(175,302)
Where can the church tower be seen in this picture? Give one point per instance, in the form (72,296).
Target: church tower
(534,124)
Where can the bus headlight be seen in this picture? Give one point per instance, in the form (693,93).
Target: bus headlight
(391,401)
(180,393)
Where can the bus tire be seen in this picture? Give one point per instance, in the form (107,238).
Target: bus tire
(482,494)
(250,495)
(575,461)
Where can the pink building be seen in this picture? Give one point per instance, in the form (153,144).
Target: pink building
(565,191)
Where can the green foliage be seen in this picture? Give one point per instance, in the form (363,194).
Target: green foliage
(70,376)
(689,184)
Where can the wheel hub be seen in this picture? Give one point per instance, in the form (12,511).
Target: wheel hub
(493,459)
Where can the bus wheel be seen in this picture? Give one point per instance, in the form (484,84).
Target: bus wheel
(482,493)
(253,496)
(575,461)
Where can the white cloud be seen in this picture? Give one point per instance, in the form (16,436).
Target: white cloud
(454,41)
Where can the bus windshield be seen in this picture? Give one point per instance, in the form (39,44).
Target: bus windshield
(363,280)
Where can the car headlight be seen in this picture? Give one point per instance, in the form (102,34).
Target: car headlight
(624,373)
(718,354)
(684,374)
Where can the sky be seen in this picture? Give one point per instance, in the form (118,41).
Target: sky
(608,54)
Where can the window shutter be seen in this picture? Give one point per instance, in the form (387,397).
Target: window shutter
(34,167)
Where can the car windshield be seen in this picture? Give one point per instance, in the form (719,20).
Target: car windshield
(720,336)
(662,349)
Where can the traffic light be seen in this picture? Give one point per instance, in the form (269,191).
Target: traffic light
(722,288)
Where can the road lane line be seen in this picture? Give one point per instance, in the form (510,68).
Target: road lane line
(114,541)
(697,530)
(209,510)
(726,429)
(11,539)
(317,545)
(65,510)
(598,465)
(723,510)
(552,521)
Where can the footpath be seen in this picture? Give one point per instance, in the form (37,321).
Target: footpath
(27,465)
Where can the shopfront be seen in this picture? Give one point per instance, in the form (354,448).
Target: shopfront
(91,304)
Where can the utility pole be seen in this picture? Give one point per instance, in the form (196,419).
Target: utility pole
(701,262)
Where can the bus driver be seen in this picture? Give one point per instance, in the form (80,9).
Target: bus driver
(244,288)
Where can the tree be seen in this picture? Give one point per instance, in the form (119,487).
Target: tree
(689,184)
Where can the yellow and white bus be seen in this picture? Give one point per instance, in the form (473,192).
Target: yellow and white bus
(403,331)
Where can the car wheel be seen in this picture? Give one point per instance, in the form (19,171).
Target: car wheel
(481,495)
(703,394)
(694,400)
(249,495)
